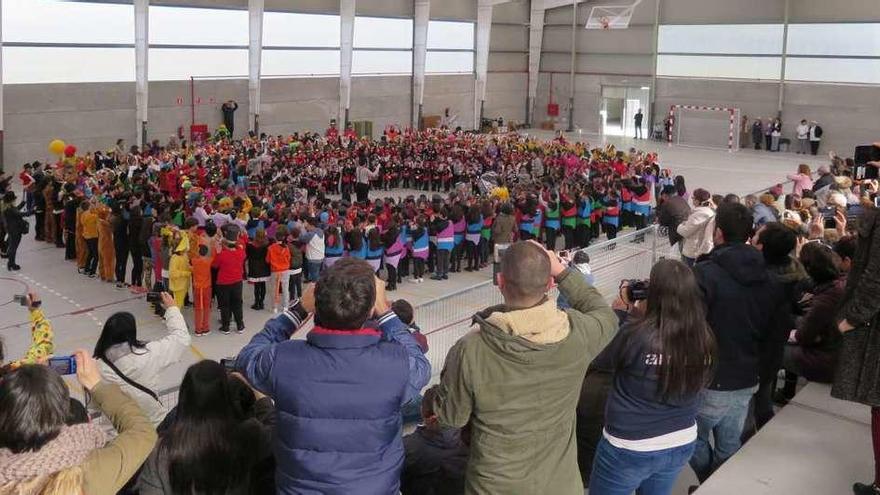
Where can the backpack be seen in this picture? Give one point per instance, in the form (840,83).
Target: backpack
(818,131)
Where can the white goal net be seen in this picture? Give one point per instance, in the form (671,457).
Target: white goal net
(704,126)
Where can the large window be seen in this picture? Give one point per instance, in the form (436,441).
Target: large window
(845,53)
(744,51)
(53,41)
(450,47)
(198,26)
(171,64)
(300,44)
(382,46)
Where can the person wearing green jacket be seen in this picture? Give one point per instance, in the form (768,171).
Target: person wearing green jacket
(517,377)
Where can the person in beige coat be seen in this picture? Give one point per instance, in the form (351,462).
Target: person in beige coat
(698,230)
(41,454)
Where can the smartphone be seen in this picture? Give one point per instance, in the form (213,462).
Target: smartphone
(65,365)
(228,363)
(20,299)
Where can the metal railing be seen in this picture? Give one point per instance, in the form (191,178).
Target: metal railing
(446,319)
(629,256)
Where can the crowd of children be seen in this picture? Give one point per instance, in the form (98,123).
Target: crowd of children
(281,208)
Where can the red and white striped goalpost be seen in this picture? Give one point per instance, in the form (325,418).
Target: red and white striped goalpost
(730,111)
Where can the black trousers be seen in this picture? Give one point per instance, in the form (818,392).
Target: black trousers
(70,251)
(39,225)
(418,267)
(362,191)
(92,256)
(12,242)
(229,300)
(442,263)
(59,231)
(121,251)
(550,238)
(568,235)
(295,285)
(814,147)
(259,293)
(137,266)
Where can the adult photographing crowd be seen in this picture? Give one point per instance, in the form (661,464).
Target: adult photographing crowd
(680,369)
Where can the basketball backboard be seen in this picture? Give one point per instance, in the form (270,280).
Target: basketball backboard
(610,16)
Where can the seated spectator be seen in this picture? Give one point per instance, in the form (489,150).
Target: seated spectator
(349,380)
(845,247)
(210,446)
(525,348)
(137,366)
(815,342)
(436,456)
(662,358)
(40,453)
(764,211)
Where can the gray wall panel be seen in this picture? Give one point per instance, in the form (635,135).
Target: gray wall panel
(507,62)
(515,11)
(465,10)
(455,92)
(836,11)
(507,37)
(722,11)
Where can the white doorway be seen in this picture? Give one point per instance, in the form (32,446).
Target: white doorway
(620,104)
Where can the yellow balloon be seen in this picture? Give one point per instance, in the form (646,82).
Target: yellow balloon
(57,147)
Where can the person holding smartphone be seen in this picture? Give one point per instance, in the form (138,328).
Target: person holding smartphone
(42,337)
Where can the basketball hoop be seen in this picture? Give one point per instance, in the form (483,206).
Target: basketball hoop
(611,16)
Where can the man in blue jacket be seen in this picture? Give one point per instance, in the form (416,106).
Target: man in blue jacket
(338,393)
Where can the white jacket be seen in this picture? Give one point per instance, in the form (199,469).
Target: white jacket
(145,366)
(698,232)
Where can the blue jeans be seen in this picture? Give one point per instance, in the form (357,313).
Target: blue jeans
(722,415)
(621,472)
(313,270)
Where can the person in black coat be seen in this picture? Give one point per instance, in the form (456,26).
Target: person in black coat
(15,226)
(741,297)
(858,372)
(672,211)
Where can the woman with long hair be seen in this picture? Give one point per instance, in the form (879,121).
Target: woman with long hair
(135,365)
(210,447)
(662,359)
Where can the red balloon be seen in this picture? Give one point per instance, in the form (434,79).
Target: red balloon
(70,151)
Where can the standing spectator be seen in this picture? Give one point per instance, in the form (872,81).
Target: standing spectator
(230,274)
(228,110)
(697,231)
(351,442)
(258,270)
(672,211)
(40,450)
(524,349)
(278,257)
(179,269)
(16,227)
(637,120)
(857,374)
(27,185)
(435,456)
(802,180)
(363,176)
(803,137)
(503,229)
(136,366)
(757,133)
(769,125)
(740,297)
(775,134)
(815,137)
(662,358)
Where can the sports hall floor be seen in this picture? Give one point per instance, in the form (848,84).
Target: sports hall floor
(816,446)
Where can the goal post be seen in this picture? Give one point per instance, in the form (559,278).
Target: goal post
(703,126)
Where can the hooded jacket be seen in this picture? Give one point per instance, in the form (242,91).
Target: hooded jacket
(741,298)
(517,378)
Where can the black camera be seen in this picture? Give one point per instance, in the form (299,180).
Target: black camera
(228,364)
(154,297)
(636,290)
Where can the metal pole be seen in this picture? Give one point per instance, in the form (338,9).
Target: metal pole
(574,7)
(781,101)
(653,91)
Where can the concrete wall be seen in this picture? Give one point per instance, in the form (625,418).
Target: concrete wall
(508,80)
(455,92)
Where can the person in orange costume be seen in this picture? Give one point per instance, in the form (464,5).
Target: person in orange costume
(81,252)
(106,252)
(201,283)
